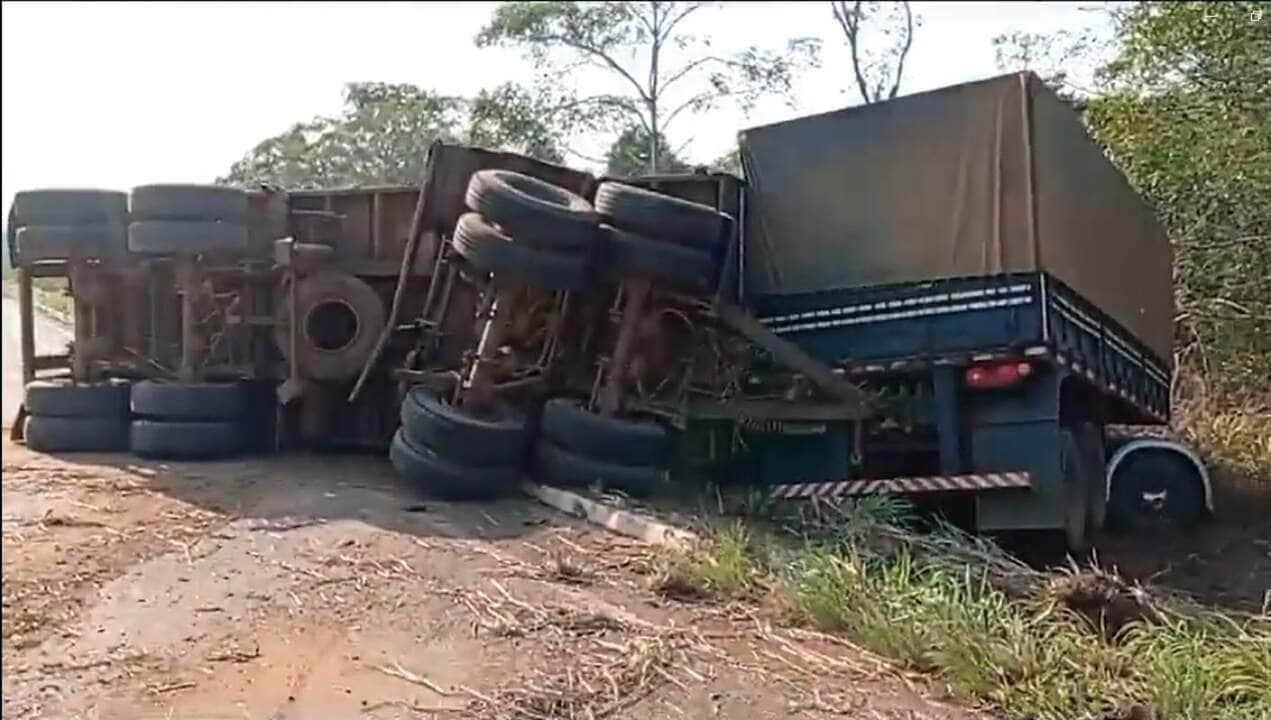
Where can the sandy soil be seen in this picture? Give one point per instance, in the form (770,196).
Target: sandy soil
(317,587)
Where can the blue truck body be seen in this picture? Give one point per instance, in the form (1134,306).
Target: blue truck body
(864,259)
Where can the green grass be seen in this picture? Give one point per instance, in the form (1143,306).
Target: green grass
(1210,667)
(47,294)
(1026,657)
(730,569)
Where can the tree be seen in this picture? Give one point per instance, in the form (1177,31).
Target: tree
(878,70)
(1050,56)
(511,117)
(1185,112)
(380,138)
(383,134)
(729,162)
(661,72)
(629,154)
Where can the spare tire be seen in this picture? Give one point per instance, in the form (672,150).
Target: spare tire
(59,242)
(456,434)
(663,263)
(70,207)
(208,203)
(185,440)
(445,479)
(661,216)
(189,401)
(492,251)
(568,424)
(534,212)
(54,399)
(341,317)
(185,237)
(558,466)
(76,434)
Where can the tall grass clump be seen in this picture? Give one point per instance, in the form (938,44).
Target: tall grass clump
(1029,644)
(1209,666)
(985,646)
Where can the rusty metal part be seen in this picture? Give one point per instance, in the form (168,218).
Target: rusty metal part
(26,315)
(84,314)
(188,287)
(302,258)
(787,353)
(477,386)
(636,292)
(422,207)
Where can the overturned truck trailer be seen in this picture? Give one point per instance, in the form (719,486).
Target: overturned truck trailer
(949,296)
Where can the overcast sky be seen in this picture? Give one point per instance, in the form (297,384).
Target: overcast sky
(100,95)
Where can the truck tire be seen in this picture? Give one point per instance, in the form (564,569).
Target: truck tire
(663,263)
(1075,491)
(341,318)
(1089,438)
(1164,476)
(185,440)
(185,237)
(205,203)
(662,216)
(76,434)
(456,435)
(446,480)
(567,424)
(196,402)
(558,466)
(98,400)
(70,207)
(59,242)
(492,251)
(534,212)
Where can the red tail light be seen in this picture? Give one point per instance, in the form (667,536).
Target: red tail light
(989,376)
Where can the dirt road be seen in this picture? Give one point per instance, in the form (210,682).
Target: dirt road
(310,587)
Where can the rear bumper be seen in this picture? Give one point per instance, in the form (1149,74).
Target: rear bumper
(974,482)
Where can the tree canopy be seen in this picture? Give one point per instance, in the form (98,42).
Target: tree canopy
(660,72)
(379,138)
(1185,112)
(384,131)
(629,154)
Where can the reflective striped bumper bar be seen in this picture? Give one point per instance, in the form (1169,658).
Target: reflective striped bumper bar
(901,486)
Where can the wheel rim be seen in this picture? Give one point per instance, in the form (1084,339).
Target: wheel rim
(1154,503)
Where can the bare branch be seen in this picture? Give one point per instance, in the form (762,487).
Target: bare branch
(690,67)
(612,101)
(849,21)
(689,10)
(904,51)
(885,84)
(697,99)
(651,27)
(601,55)
(588,158)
